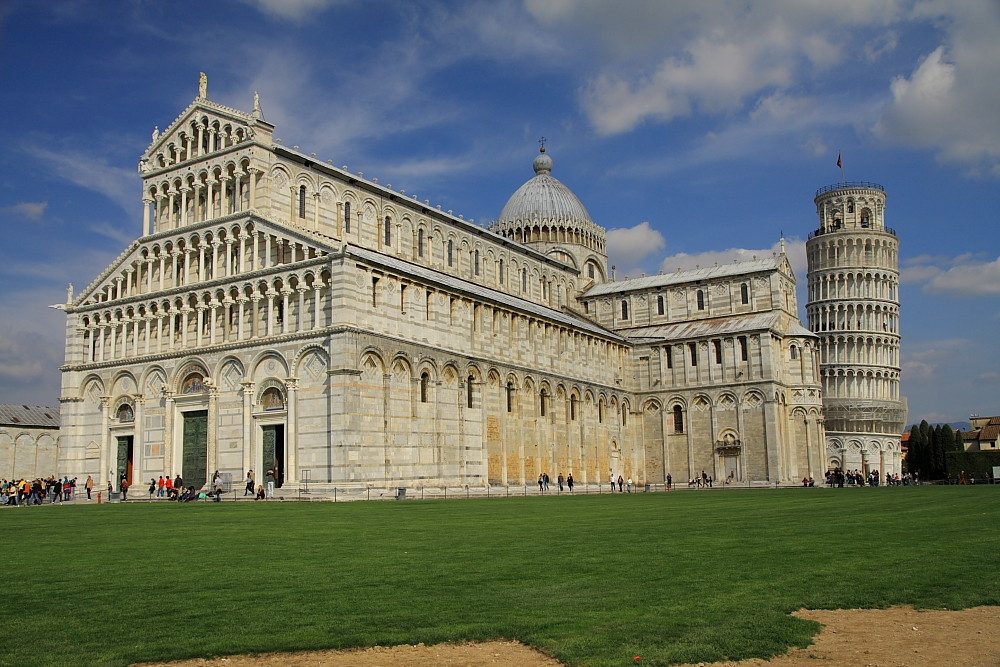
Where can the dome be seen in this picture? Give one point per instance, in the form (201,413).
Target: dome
(543,199)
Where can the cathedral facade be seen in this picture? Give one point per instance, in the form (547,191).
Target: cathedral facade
(282,313)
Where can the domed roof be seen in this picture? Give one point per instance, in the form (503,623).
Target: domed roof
(544,199)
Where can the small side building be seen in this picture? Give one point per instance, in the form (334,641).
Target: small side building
(29,441)
(983,436)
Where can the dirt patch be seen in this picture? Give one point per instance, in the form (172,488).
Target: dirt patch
(897,637)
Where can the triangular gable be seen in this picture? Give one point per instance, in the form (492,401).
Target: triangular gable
(210,113)
(310,241)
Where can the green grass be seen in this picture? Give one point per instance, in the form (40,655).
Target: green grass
(593,580)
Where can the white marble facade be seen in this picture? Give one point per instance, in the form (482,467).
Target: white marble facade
(282,312)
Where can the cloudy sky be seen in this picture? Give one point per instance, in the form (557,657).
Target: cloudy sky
(695,131)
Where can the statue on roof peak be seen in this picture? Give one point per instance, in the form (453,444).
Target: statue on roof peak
(203,86)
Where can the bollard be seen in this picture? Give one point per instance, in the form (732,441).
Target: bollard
(98,497)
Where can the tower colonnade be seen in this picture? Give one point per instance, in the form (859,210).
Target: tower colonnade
(853,288)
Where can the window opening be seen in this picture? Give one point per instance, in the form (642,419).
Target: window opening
(302,201)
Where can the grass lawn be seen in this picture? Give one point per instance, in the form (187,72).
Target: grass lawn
(593,580)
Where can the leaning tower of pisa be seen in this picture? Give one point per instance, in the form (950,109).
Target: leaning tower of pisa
(853,307)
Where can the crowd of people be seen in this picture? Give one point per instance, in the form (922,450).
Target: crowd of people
(40,490)
(838,478)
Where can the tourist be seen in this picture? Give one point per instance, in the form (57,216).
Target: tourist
(250,484)
(160,488)
(569,482)
(124,488)
(628,485)
(260,493)
(670,481)
(545,478)
(560,480)
(152,487)
(621,483)
(218,487)
(270,483)
(178,482)
(612,479)
(168,487)
(541,483)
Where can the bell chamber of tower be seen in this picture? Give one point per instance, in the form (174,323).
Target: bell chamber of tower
(546,215)
(853,306)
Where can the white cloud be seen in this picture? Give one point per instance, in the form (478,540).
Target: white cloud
(118,184)
(949,102)
(965,275)
(30,210)
(795,250)
(922,361)
(628,246)
(675,59)
(292,10)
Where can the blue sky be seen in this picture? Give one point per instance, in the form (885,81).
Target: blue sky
(695,131)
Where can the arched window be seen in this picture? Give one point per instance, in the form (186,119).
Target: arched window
(541,403)
(424,381)
(590,270)
(475,262)
(701,300)
(524,280)
(420,243)
(572,408)
(659,304)
(302,201)
(388,230)
(744,294)
(865,217)
(678,419)
(468,391)
(451,248)
(624,309)
(503,272)
(347,217)
(600,411)
(510,397)
(794,352)
(624,414)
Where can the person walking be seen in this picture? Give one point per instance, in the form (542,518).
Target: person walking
(160,488)
(612,482)
(250,484)
(621,483)
(560,480)
(124,488)
(569,482)
(270,483)
(217,482)
(541,483)
(628,485)
(152,487)
(670,481)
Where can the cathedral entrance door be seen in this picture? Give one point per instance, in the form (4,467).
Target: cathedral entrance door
(125,458)
(274,452)
(730,468)
(194,459)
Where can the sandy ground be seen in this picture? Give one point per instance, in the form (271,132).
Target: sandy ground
(898,637)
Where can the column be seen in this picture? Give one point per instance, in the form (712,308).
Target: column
(229,257)
(285,291)
(108,460)
(249,442)
(201,262)
(242,300)
(299,319)
(253,186)
(187,265)
(292,446)
(184,205)
(224,193)
(210,199)
(269,315)
(137,441)
(185,311)
(199,323)
(147,203)
(213,435)
(316,303)
(168,433)
(170,212)
(147,318)
(214,306)
(267,252)
(201,138)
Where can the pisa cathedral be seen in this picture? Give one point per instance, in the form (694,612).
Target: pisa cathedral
(279,312)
